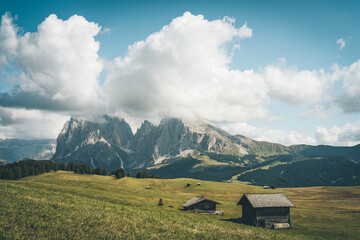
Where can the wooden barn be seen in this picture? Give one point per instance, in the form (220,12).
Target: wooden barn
(269,210)
(200,204)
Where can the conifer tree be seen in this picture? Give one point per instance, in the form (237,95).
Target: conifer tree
(16,173)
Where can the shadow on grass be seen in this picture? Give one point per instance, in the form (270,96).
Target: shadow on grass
(235,220)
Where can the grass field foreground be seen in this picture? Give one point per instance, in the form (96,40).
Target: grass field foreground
(64,205)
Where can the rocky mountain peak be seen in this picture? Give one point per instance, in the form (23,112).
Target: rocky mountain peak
(101,144)
(150,145)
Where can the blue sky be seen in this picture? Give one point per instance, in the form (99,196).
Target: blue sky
(300,40)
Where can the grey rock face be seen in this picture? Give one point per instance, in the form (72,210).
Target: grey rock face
(179,137)
(143,145)
(111,144)
(102,144)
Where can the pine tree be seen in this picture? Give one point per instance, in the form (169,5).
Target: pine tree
(31,171)
(24,171)
(9,174)
(16,173)
(104,172)
(42,168)
(62,166)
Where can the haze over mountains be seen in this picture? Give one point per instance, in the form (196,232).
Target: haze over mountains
(12,150)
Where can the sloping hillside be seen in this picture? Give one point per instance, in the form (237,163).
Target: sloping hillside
(64,205)
(317,171)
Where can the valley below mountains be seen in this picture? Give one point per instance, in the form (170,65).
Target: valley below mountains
(199,149)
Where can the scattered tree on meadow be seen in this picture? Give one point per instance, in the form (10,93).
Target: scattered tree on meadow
(119,173)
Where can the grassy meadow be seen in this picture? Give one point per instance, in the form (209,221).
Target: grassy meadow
(64,205)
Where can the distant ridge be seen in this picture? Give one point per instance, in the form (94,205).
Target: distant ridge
(199,149)
(12,150)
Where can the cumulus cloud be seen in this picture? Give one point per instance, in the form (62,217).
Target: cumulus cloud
(347,135)
(183,71)
(349,98)
(292,86)
(270,135)
(59,64)
(23,123)
(341,43)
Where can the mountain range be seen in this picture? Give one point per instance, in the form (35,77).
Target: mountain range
(111,144)
(199,149)
(190,148)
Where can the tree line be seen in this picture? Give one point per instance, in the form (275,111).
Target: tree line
(28,167)
(145,174)
(24,168)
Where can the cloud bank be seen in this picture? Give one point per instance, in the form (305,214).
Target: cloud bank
(22,123)
(183,70)
(59,64)
(270,135)
(347,135)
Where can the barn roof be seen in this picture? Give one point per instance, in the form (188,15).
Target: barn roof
(267,200)
(196,200)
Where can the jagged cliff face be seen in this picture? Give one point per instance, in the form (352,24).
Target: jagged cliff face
(98,144)
(179,137)
(111,144)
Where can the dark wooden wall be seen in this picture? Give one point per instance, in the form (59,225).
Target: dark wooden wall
(248,213)
(259,216)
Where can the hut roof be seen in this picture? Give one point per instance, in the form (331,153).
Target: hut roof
(196,200)
(267,200)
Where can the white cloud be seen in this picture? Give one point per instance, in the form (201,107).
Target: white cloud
(275,118)
(22,123)
(341,43)
(270,135)
(347,135)
(183,71)
(292,86)
(8,37)
(349,96)
(59,63)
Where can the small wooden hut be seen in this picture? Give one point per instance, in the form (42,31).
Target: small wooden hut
(200,204)
(269,210)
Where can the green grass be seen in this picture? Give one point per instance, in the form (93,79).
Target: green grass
(64,205)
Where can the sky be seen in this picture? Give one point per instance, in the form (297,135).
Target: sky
(279,71)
